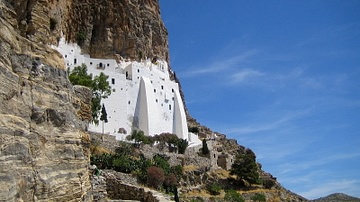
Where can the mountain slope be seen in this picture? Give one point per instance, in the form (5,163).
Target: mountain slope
(337,197)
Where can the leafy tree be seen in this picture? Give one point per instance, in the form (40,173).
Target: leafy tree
(79,76)
(103,117)
(245,167)
(204,149)
(258,197)
(100,87)
(233,196)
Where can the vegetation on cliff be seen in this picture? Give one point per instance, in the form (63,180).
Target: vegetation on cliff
(99,85)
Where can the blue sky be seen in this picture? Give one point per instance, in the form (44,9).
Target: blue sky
(281,77)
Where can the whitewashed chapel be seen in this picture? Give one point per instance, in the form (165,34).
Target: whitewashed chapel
(143,96)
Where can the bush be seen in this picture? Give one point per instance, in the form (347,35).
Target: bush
(182,145)
(258,197)
(161,161)
(155,177)
(214,189)
(233,196)
(124,164)
(193,129)
(103,161)
(170,183)
(53,24)
(124,149)
(80,38)
(268,183)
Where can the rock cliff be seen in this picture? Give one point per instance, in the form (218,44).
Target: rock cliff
(130,28)
(44,151)
(44,154)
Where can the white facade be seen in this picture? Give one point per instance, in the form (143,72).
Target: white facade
(143,96)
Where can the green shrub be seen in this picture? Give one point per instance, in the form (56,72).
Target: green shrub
(268,183)
(233,196)
(103,161)
(124,164)
(214,189)
(258,197)
(161,161)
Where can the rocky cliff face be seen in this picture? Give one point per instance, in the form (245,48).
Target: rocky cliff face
(130,28)
(44,154)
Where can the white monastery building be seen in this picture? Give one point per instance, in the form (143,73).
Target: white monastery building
(143,97)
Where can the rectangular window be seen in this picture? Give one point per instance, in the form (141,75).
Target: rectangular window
(162,87)
(169,107)
(75,61)
(113,81)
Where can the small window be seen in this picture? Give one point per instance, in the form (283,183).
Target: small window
(169,107)
(162,87)
(113,81)
(108,64)
(75,61)
(72,50)
(65,56)
(156,100)
(129,102)
(90,63)
(172,98)
(138,70)
(172,90)
(100,64)
(154,90)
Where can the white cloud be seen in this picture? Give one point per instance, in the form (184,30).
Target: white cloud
(244,74)
(220,64)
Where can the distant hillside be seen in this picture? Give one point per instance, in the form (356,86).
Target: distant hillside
(338,197)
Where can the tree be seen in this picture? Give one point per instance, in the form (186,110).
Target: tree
(103,117)
(182,145)
(245,167)
(205,150)
(100,87)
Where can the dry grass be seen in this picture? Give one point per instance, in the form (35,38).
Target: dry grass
(98,150)
(204,194)
(190,168)
(222,174)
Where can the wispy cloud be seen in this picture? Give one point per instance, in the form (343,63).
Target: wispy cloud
(267,126)
(220,64)
(245,74)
